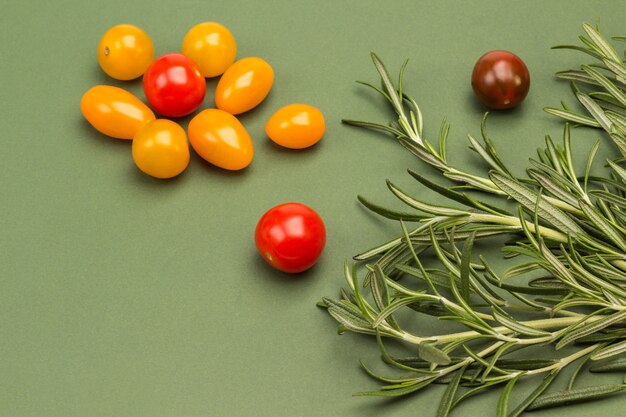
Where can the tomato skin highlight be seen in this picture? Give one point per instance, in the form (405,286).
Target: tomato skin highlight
(500,80)
(244,85)
(220,139)
(161,149)
(114,111)
(125,52)
(296,126)
(290,237)
(174,85)
(211,46)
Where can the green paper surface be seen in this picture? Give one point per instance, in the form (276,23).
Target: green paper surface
(122,295)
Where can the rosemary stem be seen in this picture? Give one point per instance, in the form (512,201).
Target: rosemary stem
(515,221)
(485,182)
(469,359)
(619,264)
(562,363)
(542,324)
(563,205)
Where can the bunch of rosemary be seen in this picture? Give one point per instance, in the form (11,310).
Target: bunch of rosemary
(567,230)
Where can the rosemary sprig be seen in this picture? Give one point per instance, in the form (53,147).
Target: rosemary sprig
(571,227)
(604,93)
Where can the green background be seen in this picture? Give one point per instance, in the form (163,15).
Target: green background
(121,295)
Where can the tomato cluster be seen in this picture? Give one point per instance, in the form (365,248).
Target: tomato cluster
(174,86)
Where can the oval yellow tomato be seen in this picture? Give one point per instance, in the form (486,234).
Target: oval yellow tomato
(244,85)
(211,46)
(219,138)
(296,126)
(125,52)
(114,111)
(160,149)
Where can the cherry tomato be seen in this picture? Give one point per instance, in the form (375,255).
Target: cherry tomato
(125,52)
(114,111)
(244,85)
(174,85)
(290,237)
(500,79)
(160,149)
(296,126)
(219,138)
(211,46)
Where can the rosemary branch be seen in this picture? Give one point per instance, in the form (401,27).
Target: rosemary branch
(571,227)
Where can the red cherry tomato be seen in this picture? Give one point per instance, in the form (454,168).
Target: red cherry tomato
(174,85)
(291,237)
(500,80)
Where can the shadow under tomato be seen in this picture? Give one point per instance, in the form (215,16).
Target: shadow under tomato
(210,168)
(101,78)
(89,132)
(146,180)
(259,264)
(479,108)
(272,146)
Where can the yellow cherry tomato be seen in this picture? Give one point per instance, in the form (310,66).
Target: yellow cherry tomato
(219,138)
(296,126)
(114,111)
(211,46)
(125,52)
(160,149)
(244,85)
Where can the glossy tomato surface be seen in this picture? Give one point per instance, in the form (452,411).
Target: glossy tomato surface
(211,46)
(291,237)
(244,85)
(125,52)
(500,80)
(114,111)
(174,85)
(160,149)
(220,139)
(296,126)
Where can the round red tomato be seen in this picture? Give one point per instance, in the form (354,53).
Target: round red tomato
(291,237)
(500,80)
(174,85)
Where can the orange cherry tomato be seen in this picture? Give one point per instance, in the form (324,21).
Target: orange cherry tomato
(211,46)
(296,126)
(114,111)
(125,52)
(160,149)
(219,138)
(244,85)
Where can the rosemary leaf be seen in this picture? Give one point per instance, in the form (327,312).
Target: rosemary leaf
(589,328)
(527,198)
(574,396)
(445,406)
(609,351)
(503,402)
(534,395)
(618,365)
